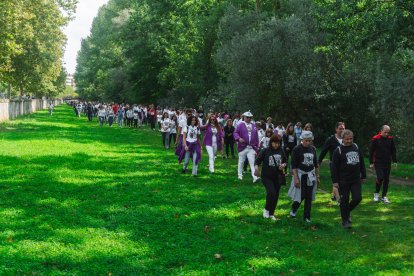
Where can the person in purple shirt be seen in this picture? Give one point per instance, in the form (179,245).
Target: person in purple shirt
(213,139)
(247,144)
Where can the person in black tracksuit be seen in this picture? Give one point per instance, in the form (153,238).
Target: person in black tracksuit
(274,161)
(305,171)
(330,145)
(348,172)
(228,138)
(381,152)
(89,112)
(289,141)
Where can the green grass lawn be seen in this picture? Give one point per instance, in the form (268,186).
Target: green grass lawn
(76,199)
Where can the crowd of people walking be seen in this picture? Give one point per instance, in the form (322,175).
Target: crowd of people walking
(263,144)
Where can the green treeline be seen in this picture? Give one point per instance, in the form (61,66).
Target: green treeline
(32,45)
(311,60)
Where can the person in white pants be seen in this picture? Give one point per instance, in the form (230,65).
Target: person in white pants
(247,144)
(213,139)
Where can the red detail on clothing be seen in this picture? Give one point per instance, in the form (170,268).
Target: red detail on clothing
(115,108)
(378,136)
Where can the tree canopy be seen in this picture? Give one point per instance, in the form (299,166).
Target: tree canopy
(312,60)
(32,44)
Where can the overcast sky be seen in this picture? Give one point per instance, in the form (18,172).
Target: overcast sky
(79,28)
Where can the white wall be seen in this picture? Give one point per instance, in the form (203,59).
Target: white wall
(10,109)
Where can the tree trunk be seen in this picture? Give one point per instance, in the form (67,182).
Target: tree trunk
(277,6)
(258,6)
(9,91)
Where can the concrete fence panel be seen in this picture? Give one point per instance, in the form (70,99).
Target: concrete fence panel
(10,109)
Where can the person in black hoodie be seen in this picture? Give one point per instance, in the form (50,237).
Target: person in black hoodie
(274,161)
(381,152)
(330,145)
(228,138)
(289,140)
(348,172)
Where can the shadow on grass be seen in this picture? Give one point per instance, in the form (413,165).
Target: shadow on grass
(126,210)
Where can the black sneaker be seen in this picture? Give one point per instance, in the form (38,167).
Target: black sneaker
(184,170)
(333,198)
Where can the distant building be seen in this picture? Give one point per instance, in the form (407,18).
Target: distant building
(70,81)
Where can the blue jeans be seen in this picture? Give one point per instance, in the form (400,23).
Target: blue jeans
(101,121)
(187,160)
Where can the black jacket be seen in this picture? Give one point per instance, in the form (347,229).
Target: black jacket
(304,158)
(382,150)
(288,144)
(347,164)
(271,160)
(228,134)
(330,145)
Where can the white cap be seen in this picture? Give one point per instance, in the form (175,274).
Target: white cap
(306,135)
(247,114)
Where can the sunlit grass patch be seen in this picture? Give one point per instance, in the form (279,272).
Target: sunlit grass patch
(78,199)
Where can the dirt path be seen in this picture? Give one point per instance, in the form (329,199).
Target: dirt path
(395,180)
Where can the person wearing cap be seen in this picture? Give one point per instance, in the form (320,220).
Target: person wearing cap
(247,144)
(305,173)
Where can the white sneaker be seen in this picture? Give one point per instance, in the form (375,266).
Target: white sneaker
(240,178)
(307,220)
(272,218)
(292,214)
(265,213)
(385,200)
(376,197)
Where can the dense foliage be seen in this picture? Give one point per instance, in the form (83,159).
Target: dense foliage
(32,44)
(312,60)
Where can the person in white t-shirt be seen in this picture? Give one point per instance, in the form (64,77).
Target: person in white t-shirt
(280,130)
(182,122)
(173,129)
(101,115)
(130,116)
(192,145)
(51,107)
(165,129)
(213,139)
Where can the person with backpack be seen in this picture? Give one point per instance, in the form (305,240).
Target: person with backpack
(305,171)
(274,160)
(381,152)
(348,172)
(330,145)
